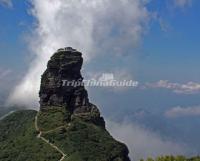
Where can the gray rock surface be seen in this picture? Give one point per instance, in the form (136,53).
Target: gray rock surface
(57,89)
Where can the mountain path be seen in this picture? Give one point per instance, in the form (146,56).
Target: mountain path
(47,141)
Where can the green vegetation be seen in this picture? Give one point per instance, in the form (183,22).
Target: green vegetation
(80,140)
(19,142)
(86,142)
(173,158)
(53,118)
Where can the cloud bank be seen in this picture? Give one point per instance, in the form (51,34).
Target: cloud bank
(144,143)
(183,112)
(187,88)
(93,27)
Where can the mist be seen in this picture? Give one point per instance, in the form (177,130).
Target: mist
(92,27)
(143,142)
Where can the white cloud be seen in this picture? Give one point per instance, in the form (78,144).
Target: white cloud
(6,3)
(117,74)
(93,27)
(183,112)
(182,3)
(122,79)
(187,88)
(143,143)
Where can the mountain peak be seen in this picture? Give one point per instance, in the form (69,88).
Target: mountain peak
(67,127)
(65,66)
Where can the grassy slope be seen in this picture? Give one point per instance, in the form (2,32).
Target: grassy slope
(82,141)
(86,142)
(52,118)
(18,141)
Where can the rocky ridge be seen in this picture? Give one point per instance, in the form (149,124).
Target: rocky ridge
(65,66)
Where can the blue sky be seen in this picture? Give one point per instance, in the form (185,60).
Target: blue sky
(15,22)
(176,49)
(164,51)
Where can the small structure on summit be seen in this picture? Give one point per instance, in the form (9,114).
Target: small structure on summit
(69,49)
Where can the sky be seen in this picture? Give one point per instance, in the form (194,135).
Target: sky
(154,42)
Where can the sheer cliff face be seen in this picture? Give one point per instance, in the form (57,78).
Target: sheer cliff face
(63,104)
(57,88)
(65,65)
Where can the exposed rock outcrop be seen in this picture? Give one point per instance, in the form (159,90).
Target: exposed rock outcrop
(65,65)
(60,97)
(57,88)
